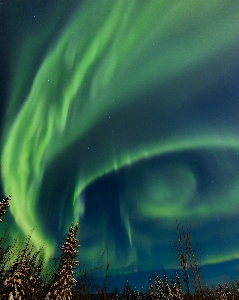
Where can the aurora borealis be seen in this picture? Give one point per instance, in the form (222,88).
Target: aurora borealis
(123,116)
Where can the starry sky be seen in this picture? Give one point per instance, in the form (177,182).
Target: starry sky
(122,116)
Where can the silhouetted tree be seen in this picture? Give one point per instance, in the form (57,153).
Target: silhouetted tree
(64,281)
(3,205)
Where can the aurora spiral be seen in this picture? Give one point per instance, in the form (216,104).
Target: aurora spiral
(128,121)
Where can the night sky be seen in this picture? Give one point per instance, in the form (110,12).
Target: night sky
(122,116)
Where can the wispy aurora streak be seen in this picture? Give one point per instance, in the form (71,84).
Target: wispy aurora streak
(98,74)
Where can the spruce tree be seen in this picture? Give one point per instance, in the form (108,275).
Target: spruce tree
(159,288)
(3,205)
(151,290)
(64,281)
(127,291)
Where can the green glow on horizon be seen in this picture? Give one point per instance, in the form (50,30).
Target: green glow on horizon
(107,56)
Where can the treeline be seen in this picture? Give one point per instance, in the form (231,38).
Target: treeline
(24,278)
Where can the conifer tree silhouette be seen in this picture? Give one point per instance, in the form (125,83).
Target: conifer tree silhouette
(64,281)
(3,205)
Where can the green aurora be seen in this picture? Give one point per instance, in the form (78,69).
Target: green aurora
(124,90)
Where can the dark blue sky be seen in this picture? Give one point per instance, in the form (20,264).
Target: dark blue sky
(123,118)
